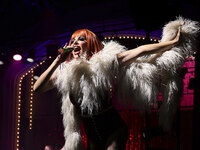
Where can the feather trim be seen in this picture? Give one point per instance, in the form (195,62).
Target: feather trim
(138,82)
(88,81)
(137,86)
(74,142)
(169,64)
(174,59)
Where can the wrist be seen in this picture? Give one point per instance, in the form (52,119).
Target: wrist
(58,60)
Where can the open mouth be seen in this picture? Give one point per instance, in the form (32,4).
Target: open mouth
(77,50)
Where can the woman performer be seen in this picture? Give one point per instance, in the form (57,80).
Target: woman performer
(86,69)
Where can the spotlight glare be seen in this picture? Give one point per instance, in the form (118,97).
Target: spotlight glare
(17,57)
(1,62)
(35,77)
(30,60)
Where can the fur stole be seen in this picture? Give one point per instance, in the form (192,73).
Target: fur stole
(138,84)
(89,82)
(151,74)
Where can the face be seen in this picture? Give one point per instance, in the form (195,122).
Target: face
(80,46)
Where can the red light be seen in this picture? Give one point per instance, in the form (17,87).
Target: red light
(17,57)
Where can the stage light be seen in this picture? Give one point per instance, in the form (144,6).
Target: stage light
(2,58)
(17,57)
(35,77)
(1,62)
(30,60)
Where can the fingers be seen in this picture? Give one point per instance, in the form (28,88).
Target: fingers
(68,47)
(181,25)
(179,28)
(65,46)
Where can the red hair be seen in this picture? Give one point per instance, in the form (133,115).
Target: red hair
(94,45)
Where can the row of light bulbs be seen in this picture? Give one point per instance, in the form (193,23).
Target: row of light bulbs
(130,37)
(18,114)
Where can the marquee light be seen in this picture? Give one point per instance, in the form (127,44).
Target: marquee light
(17,57)
(18,113)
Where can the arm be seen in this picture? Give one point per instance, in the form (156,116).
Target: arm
(45,81)
(129,56)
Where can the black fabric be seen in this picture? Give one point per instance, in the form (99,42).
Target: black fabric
(99,127)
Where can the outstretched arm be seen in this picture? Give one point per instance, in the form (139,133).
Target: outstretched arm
(129,56)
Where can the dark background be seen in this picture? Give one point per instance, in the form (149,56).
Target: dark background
(25,23)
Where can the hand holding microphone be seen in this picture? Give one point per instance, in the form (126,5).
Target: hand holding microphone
(64,53)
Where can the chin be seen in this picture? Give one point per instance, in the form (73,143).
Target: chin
(76,56)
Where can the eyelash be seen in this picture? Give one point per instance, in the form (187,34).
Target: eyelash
(80,38)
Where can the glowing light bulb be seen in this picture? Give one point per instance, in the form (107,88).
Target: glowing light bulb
(17,57)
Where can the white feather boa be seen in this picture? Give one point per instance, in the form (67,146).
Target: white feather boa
(143,75)
(170,62)
(89,80)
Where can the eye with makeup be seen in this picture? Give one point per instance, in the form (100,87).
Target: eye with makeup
(80,38)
